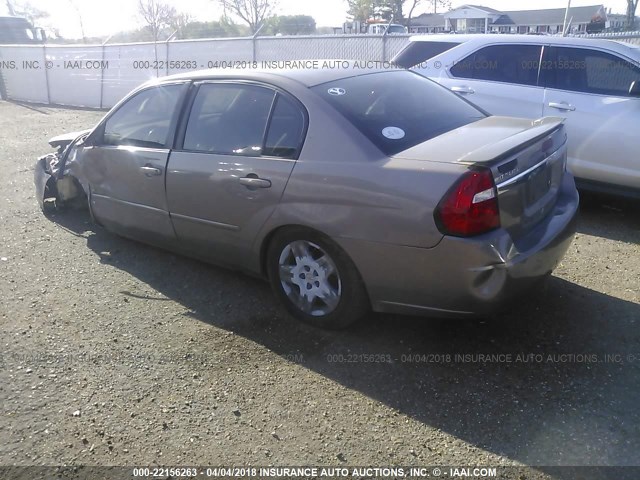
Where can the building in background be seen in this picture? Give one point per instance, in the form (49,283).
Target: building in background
(479,19)
(582,20)
(428,23)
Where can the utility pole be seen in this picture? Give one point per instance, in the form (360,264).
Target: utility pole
(566,15)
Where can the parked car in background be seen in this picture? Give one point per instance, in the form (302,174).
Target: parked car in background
(348,191)
(372,27)
(389,29)
(19,31)
(593,83)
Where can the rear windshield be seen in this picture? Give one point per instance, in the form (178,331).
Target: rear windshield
(398,109)
(419,52)
(396,29)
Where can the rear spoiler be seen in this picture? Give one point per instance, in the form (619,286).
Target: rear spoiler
(505,148)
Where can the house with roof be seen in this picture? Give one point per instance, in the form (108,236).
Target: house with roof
(618,22)
(479,19)
(428,23)
(550,20)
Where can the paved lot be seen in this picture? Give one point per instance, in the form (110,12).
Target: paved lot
(117,353)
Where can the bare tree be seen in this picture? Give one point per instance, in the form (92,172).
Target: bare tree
(632,6)
(157,15)
(252,12)
(180,21)
(414,4)
(440,3)
(362,10)
(75,7)
(26,10)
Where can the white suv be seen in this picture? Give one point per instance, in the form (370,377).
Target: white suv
(593,83)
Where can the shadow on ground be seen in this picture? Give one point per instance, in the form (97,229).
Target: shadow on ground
(572,399)
(602,216)
(45,108)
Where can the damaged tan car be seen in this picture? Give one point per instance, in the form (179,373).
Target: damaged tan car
(56,185)
(347,190)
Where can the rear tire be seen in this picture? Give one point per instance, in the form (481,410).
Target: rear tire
(315,280)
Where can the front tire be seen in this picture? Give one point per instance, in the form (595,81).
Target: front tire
(315,280)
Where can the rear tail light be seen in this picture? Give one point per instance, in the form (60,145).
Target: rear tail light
(470,207)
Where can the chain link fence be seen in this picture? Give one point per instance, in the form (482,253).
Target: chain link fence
(100,75)
(627,37)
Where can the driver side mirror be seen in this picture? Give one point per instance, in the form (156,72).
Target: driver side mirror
(634,89)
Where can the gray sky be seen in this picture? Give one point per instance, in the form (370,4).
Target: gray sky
(102,17)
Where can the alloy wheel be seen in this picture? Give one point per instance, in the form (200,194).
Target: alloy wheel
(310,278)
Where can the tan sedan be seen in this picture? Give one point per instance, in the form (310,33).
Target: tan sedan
(349,190)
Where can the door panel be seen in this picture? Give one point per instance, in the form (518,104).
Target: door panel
(240,145)
(602,136)
(126,164)
(502,79)
(127,189)
(590,90)
(213,205)
(500,98)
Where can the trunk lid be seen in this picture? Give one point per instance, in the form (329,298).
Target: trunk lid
(527,159)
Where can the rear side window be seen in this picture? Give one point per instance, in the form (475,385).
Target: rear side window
(398,109)
(286,129)
(419,52)
(589,71)
(517,64)
(145,120)
(229,119)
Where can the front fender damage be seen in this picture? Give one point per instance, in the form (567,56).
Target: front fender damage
(56,185)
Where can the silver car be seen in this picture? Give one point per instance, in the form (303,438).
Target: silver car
(349,190)
(593,83)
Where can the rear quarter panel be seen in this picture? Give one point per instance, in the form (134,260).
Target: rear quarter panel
(343,186)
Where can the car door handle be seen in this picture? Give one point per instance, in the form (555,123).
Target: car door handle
(150,171)
(466,90)
(251,181)
(562,106)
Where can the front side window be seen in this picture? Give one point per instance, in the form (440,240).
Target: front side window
(397,110)
(589,71)
(229,119)
(145,120)
(517,64)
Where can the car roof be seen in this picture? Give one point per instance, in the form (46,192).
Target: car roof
(14,21)
(307,72)
(625,48)
(509,38)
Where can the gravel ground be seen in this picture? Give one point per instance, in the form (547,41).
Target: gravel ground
(115,353)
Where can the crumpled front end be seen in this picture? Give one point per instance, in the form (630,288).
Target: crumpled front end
(56,186)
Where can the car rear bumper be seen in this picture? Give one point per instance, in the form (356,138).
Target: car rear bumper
(465,276)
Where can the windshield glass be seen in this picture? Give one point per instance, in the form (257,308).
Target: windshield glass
(398,109)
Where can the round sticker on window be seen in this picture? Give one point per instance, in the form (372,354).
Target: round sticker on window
(393,133)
